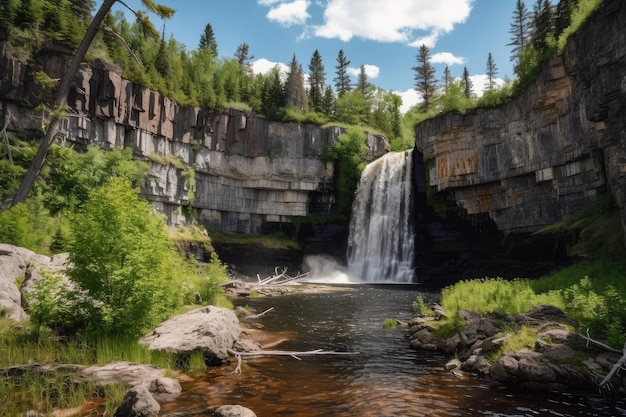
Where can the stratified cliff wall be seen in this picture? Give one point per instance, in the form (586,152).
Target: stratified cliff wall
(551,151)
(249,172)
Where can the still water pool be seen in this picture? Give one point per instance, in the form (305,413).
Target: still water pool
(384,377)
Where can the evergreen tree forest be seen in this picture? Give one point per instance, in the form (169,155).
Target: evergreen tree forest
(202,77)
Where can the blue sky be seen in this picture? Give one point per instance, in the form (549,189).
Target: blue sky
(383,35)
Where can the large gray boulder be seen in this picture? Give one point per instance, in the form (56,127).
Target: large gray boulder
(17,263)
(138,402)
(210,329)
(163,389)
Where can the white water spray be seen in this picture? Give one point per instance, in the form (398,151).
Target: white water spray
(381,242)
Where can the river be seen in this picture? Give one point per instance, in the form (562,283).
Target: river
(383,376)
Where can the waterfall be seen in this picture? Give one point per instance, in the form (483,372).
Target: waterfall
(381,242)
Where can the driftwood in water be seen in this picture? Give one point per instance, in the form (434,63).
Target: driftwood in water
(294,354)
(618,365)
(281,277)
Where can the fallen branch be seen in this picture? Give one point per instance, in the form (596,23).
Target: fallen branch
(280,277)
(600,345)
(294,354)
(256,316)
(618,365)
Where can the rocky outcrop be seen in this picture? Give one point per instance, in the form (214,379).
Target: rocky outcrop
(248,171)
(549,152)
(554,362)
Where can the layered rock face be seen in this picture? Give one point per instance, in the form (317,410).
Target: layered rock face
(551,151)
(248,172)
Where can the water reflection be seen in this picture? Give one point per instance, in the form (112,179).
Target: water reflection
(385,378)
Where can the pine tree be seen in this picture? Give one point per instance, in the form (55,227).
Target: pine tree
(207,40)
(362,83)
(425,82)
(542,24)
(317,79)
(563,16)
(492,72)
(243,56)
(328,105)
(82,8)
(447,76)
(467,84)
(520,30)
(273,94)
(294,86)
(162,60)
(342,80)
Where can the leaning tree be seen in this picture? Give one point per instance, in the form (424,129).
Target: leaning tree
(59,103)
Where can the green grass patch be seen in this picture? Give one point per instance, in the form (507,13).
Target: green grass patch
(191,234)
(275,241)
(390,324)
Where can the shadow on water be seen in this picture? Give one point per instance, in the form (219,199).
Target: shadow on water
(383,378)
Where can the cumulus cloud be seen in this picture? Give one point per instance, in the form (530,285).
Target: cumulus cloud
(372,71)
(409,99)
(479,83)
(447,58)
(288,13)
(263,66)
(377,20)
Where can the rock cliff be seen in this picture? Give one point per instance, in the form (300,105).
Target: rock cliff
(249,173)
(549,152)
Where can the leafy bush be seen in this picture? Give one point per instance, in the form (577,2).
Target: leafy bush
(53,303)
(73,175)
(26,225)
(122,255)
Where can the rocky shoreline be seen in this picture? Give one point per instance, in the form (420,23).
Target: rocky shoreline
(558,360)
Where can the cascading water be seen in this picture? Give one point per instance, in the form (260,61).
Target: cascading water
(381,242)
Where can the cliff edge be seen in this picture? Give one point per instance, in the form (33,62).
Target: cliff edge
(549,152)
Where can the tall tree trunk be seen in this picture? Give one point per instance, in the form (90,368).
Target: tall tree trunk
(60,101)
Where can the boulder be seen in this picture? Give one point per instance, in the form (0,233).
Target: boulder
(138,402)
(211,330)
(162,389)
(233,411)
(17,263)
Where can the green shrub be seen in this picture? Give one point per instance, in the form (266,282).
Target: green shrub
(419,305)
(121,253)
(390,324)
(26,225)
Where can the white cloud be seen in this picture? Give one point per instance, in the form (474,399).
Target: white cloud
(429,40)
(409,99)
(479,83)
(447,58)
(290,13)
(378,20)
(372,71)
(263,66)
